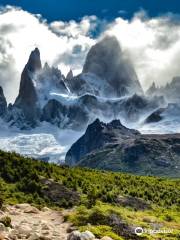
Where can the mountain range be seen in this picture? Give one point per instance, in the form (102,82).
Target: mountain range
(108,88)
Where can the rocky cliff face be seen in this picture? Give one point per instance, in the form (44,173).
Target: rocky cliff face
(69,75)
(27,92)
(116,148)
(25,111)
(49,80)
(106,72)
(97,136)
(3,103)
(107,61)
(34,93)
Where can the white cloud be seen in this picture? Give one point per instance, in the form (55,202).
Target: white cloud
(152,44)
(74,29)
(21,32)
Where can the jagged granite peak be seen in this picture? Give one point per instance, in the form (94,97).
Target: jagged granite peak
(3,103)
(107,61)
(27,93)
(34,62)
(69,75)
(46,66)
(152,89)
(170,91)
(27,99)
(49,79)
(97,136)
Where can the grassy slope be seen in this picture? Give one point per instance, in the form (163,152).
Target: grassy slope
(20,182)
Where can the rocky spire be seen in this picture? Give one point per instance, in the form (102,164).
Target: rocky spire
(46,66)
(152,89)
(107,61)
(3,102)
(27,98)
(34,62)
(69,75)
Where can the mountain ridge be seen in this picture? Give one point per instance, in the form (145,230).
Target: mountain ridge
(114,147)
(45,89)
(103,90)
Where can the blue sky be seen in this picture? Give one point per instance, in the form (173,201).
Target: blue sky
(150,39)
(75,9)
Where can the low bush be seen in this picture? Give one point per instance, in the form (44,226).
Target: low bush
(6,220)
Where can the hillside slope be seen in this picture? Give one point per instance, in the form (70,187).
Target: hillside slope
(105,201)
(112,146)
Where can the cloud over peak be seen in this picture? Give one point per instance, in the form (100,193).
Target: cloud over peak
(152,44)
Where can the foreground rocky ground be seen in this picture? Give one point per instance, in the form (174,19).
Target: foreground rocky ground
(23,221)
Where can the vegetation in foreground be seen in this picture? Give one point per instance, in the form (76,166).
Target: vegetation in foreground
(107,203)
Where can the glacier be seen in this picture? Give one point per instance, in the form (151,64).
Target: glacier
(47,142)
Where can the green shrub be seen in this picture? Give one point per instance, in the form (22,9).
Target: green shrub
(1,202)
(25,174)
(98,216)
(101,231)
(168,218)
(1,195)
(6,220)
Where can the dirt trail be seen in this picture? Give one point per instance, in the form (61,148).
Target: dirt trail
(29,221)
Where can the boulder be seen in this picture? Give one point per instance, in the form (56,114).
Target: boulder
(1,213)
(45,209)
(87,235)
(34,236)
(133,202)
(31,210)
(24,230)
(22,206)
(76,235)
(13,234)
(2,227)
(45,226)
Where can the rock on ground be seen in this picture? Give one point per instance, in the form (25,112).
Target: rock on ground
(33,224)
(27,222)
